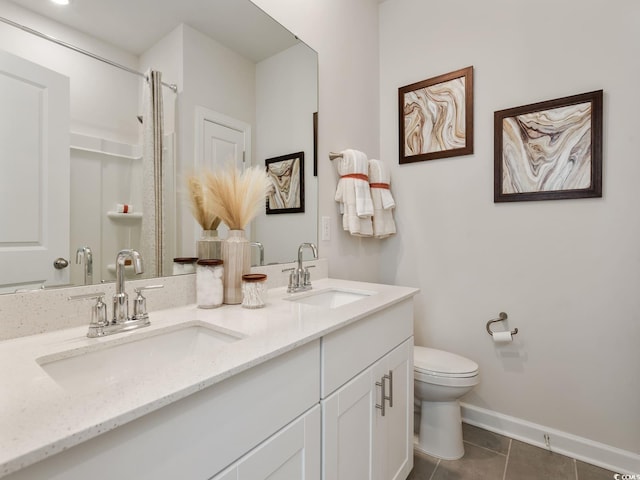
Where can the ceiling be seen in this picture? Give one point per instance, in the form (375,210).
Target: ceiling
(136,25)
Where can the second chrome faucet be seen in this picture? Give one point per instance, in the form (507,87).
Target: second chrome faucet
(300,278)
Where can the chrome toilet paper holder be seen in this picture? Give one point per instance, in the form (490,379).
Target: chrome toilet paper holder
(501,316)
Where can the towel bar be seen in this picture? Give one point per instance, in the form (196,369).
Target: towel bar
(502,316)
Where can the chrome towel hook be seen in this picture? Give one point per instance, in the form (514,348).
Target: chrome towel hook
(502,316)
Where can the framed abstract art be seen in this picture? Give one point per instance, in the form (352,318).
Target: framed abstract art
(436,117)
(549,150)
(286,193)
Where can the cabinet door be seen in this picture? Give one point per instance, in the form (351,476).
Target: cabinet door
(293,452)
(394,430)
(359,442)
(348,431)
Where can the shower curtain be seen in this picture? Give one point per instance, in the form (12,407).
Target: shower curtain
(153,203)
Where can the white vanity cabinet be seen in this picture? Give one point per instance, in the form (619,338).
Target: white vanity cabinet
(309,406)
(204,433)
(292,453)
(360,440)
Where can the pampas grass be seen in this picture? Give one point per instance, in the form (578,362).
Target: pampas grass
(236,197)
(200,204)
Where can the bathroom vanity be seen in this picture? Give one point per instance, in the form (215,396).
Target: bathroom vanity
(315,385)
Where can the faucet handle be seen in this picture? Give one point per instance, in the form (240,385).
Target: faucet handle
(294,279)
(98,313)
(307,276)
(140,302)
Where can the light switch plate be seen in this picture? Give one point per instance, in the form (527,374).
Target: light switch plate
(325,235)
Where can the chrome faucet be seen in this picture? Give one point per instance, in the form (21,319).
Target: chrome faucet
(121,299)
(84,256)
(300,278)
(120,322)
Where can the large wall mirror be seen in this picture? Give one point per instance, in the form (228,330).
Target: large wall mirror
(233,67)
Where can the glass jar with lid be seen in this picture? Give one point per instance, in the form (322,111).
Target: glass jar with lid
(254,290)
(183,265)
(209,287)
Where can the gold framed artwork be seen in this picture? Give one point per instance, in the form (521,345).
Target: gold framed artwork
(436,117)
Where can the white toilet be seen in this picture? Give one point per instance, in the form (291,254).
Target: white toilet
(440,379)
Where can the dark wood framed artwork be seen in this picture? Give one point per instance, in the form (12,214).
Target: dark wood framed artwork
(286,193)
(435,117)
(549,150)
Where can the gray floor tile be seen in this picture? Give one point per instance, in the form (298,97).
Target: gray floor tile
(477,464)
(486,439)
(423,467)
(591,472)
(527,462)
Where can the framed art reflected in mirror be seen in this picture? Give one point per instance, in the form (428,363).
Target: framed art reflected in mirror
(286,193)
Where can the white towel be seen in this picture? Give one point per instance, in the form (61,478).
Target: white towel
(353,193)
(383,202)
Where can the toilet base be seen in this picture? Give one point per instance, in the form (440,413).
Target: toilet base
(440,433)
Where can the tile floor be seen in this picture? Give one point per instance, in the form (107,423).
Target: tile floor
(489,456)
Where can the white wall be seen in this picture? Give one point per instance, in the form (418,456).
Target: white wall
(345,35)
(286,97)
(567,272)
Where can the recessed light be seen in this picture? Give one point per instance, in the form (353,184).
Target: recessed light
(61,2)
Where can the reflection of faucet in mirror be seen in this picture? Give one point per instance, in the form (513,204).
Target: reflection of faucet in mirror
(84,256)
(261,248)
(121,299)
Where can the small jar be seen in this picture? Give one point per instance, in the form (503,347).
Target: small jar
(182,265)
(209,288)
(254,290)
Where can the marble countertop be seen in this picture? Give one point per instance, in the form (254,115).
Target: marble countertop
(39,417)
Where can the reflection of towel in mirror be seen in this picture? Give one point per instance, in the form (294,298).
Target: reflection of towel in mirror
(383,202)
(353,193)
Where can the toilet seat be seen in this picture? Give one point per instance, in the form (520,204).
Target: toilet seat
(431,363)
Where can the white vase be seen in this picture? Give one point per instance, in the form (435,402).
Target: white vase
(209,245)
(236,255)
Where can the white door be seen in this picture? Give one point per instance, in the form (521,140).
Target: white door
(394,431)
(348,438)
(34,174)
(219,140)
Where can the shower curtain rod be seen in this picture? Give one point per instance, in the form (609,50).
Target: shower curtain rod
(172,86)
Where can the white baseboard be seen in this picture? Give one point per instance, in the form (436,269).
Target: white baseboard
(588,451)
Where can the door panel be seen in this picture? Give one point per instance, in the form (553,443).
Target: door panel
(348,431)
(220,140)
(397,449)
(34,179)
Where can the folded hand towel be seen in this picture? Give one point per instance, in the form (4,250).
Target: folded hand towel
(353,192)
(383,202)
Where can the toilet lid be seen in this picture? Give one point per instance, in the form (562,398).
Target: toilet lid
(441,363)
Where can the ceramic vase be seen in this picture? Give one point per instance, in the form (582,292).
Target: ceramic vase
(209,245)
(236,254)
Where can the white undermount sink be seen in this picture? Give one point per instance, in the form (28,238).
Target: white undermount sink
(330,298)
(135,357)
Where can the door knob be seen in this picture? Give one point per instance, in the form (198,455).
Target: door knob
(60,263)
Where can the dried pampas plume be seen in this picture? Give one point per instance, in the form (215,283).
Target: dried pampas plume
(236,197)
(200,204)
